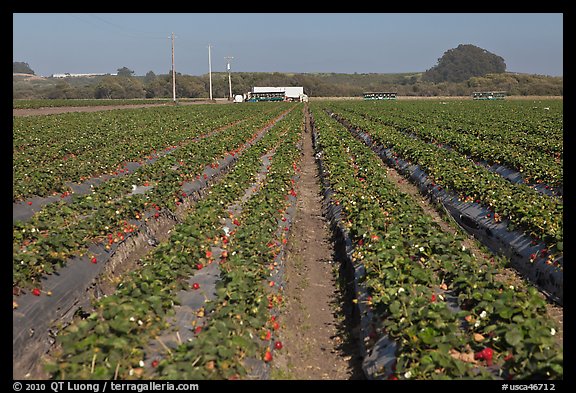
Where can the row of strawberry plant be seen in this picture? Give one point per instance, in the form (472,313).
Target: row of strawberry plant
(414,272)
(51,103)
(526,124)
(243,326)
(51,150)
(535,164)
(540,215)
(111,341)
(61,230)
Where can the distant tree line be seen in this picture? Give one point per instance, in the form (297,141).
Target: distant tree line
(126,85)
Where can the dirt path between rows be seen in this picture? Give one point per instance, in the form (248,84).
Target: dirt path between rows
(317,343)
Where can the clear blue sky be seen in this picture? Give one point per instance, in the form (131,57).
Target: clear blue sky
(284,42)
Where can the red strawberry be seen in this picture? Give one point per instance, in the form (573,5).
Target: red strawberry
(155,363)
(208,254)
(195,286)
(198,329)
(433,298)
(268,356)
(236,222)
(199,266)
(485,354)
(36,292)
(30,203)
(94,260)
(278,345)
(268,335)
(276,326)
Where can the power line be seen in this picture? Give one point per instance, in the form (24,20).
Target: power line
(133,34)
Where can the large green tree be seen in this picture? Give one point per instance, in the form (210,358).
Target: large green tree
(150,77)
(19,67)
(462,63)
(125,71)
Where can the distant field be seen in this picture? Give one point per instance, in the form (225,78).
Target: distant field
(55,103)
(443,98)
(48,103)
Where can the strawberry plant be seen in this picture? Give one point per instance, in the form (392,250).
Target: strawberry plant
(441,305)
(539,215)
(73,226)
(50,151)
(148,294)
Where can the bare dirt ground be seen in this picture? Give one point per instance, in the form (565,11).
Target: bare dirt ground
(66,109)
(28,76)
(317,343)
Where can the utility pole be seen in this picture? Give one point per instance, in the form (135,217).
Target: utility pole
(173,73)
(228,58)
(210,70)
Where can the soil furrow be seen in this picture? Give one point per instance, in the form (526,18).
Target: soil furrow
(317,341)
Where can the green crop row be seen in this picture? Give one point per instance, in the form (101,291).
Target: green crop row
(241,324)
(538,157)
(540,215)
(49,151)
(111,342)
(50,103)
(415,272)
(62,230)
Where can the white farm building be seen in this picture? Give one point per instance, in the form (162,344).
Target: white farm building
(290,93)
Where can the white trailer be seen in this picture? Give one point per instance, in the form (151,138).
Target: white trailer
(291,93)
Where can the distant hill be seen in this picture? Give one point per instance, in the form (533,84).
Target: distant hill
(21,67)
(464,62)
(315,85)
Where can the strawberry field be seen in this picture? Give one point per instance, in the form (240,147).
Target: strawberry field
(47,103)
(150,243)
